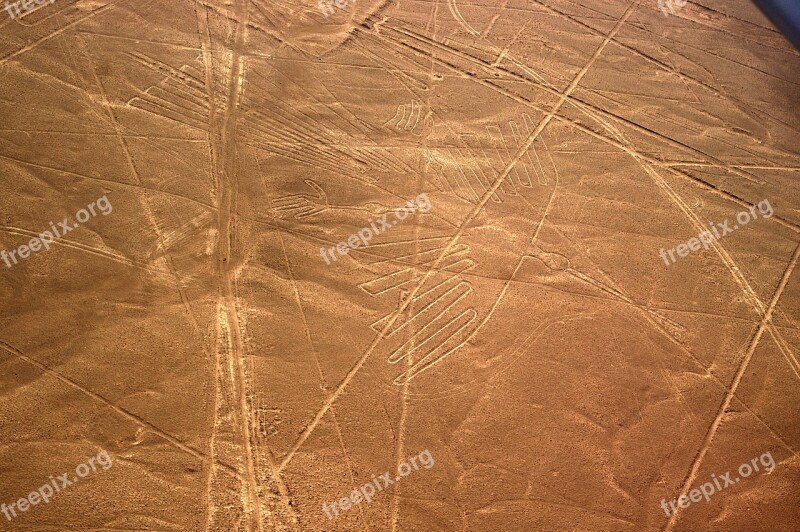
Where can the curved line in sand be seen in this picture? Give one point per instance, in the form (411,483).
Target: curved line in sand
(457,14)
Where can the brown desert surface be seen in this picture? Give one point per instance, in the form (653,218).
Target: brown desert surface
(398,265)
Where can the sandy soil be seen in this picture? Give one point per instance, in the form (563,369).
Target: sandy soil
(518,353)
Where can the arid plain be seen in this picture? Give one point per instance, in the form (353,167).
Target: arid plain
(403,265)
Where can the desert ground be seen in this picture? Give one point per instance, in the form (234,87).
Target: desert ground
(398,265)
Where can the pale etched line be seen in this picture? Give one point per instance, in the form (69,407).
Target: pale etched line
(164,111)
(320,158)
(398,117)
(379,324)
(59,31)
(381,285)
(532,138)
(302,205)
(284,491)
(459,173)
(410,274)
(655,163)
(409,256)
(465,319)
(504,52)
(183,106)
(414,107)
(399,55)
(326,146)
(296,154)
(225,178)
(486,158)
(718,248)
(204,37)
(140,40)
(389,67)
(89,249)
(454,239)
(723,408)
(340,110)
(294,122)
(383,281)
(584,107)
(281,128)
(451,177)
(555,187)
(384,160)
(285,125)
(457,15)
(766,425)
(399,450)
(97,397)
(349,465)
(543,178)
(183,78)
(484,181)
(392,260)
(467,264)
(499,132)
(145,203)
(515,132)
(573,122)
(680,346)
(439,166)
(409,347)
(401,429)
(785,350)
(439,178)
(271,18)
(31,11)
(432,163)
(414,316)
(494,20)
(477,161)
(394,243)
(421,258)
(420,296)
(68,172)
(411,259)
(740,166)
(658,321)
(98,134)
(494,145)
(488,161)
(310,238)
